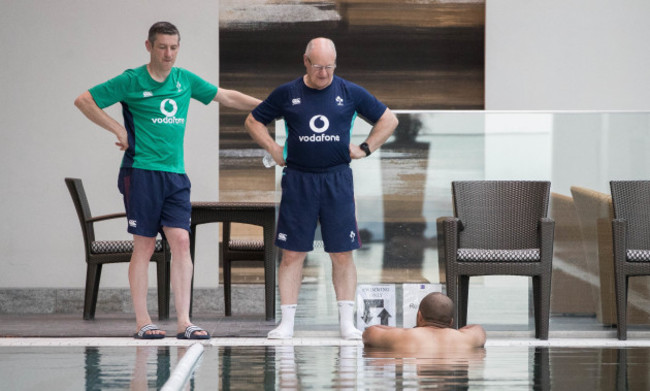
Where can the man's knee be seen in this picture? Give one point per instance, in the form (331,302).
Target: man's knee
(143,244)
(178,238)
(342,259)
(290,258)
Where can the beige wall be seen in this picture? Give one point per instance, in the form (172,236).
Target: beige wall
(567,55)
(539,55)
(51,52)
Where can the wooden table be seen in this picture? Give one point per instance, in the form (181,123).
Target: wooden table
(255,213)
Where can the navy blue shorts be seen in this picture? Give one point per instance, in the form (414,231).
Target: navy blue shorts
(309,198)
(155,199)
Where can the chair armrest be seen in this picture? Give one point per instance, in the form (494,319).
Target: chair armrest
(619,236)
(448,228)
(106,217)
(546,232)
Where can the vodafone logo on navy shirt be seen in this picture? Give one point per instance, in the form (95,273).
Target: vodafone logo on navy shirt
(319,124)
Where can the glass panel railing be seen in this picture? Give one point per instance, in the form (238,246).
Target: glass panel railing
(402,189)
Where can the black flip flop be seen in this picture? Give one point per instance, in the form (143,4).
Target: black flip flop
(142,333)
(189,333)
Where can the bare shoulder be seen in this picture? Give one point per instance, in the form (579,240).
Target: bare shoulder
(383,336)
(475,334)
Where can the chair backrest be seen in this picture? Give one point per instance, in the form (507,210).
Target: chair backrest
(78,194)
(500,214)
(631,201)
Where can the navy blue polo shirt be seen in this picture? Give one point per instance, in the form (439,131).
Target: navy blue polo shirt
(318,122)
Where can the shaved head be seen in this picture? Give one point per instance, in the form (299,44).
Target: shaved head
(437,308)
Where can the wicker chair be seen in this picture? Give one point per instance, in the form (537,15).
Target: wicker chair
(498,228)
(101,252)
(233,250)
(631,234)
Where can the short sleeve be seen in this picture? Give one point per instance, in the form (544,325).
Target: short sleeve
(111,91)
(202,90)
(270,109)
(367,104)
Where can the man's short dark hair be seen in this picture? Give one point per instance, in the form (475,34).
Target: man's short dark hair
(437,308)
(163,28)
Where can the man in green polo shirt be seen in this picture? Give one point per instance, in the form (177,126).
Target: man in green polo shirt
(155,99)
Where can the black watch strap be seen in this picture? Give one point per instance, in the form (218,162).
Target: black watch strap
(365,148)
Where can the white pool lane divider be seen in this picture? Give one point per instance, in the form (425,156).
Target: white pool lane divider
(184,369)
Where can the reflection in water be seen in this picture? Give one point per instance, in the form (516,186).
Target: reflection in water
(285,358)
(449,370)
(245,368)
(143,356)
(328,367)
(541,369)
(109,368)
(342,367)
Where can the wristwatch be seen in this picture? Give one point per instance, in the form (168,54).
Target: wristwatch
(365,148)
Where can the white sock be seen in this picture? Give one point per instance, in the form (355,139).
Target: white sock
(285,329)
(346,320)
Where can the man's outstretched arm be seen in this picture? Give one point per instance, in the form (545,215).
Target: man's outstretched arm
(236,100)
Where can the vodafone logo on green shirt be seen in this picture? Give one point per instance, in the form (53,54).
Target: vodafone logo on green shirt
(169,108)
(172,104)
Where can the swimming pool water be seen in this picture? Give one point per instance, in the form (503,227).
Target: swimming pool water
(324,367)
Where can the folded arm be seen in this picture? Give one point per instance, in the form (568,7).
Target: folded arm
(379,133)
(86,104)
(260,134)
(379,336)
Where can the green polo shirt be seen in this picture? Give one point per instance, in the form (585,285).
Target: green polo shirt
(155,114)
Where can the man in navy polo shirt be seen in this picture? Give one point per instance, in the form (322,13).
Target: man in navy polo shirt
(319,110)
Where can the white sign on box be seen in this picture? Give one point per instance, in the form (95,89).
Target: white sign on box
(412,295)
(376,305)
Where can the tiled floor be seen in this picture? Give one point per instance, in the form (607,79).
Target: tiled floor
(116,329)
(123,325)
(316,319)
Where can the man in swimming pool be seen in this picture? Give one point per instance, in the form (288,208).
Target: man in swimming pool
(433,331)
